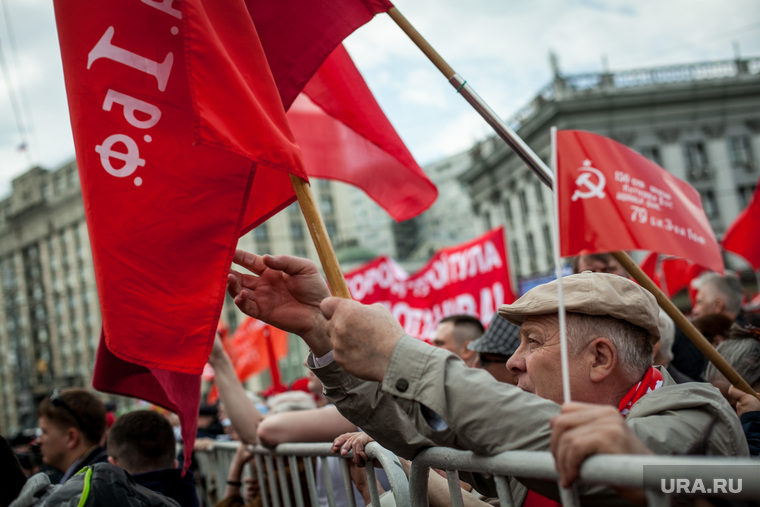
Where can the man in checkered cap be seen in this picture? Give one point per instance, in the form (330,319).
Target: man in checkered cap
(495,347)
(408,395)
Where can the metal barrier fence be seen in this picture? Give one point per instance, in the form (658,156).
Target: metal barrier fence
(612,470)
(276,489)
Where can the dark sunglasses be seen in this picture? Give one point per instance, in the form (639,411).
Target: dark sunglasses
(57,400)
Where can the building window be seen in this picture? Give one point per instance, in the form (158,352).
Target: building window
(326,204)
(740,152)
(695,156)
(299,251)
(261,233)
(515,253)
(523,202)
(745,194)
(296,230)
(709,204)
(508,211)
(653,154)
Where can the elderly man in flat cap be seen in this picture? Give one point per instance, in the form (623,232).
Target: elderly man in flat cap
(408,395)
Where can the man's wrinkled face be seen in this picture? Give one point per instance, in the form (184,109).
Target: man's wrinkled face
(537,362)
(53,443)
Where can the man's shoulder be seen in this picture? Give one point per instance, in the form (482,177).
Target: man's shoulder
(690,418)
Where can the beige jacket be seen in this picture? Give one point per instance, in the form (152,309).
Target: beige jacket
(429,397)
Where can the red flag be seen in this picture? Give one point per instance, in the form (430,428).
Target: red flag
(254,347)
(678,274)
(181,143)
(344,135)
(742,236)
(649,267)
(611,198)
(248,347)
(298,35)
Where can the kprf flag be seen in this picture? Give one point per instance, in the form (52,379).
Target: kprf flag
(471,278)
(344,135)
(181,142)
(612,198)
(743,236)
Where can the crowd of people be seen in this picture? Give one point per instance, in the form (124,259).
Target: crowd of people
(636,383)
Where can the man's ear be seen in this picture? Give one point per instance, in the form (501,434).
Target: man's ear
(603,359)
(115,462)
(467,354)
(73,437)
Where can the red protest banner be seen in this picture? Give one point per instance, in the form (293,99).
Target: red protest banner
(344,135)
(612,198)
(471,278)
(742,236)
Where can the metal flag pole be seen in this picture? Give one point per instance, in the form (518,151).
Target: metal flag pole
(540,169)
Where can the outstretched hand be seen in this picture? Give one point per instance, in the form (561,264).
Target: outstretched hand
(283,291)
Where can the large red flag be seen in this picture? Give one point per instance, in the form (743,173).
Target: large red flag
(181,141)
(743,236)
(612,198)
(298,35)
(344,135)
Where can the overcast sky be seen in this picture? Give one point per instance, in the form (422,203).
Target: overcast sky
(500,46)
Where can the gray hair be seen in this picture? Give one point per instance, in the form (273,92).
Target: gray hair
(631,342)
(743,354)
(667,336)
(728,286)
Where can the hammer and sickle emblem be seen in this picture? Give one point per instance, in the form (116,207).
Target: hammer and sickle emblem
(584,180)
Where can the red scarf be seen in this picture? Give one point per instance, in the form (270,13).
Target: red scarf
(652,380)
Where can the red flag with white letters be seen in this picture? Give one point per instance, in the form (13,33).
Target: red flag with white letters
(182,143)
(612,198)
(742,236)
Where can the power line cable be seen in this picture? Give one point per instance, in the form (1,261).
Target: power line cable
(25,105)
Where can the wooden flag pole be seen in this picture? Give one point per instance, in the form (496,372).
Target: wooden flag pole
(319,236)
(540,169)
(683,323)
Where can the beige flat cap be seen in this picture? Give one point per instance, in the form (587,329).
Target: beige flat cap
(591,294)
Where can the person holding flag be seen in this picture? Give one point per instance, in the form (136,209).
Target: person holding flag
(408,395)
